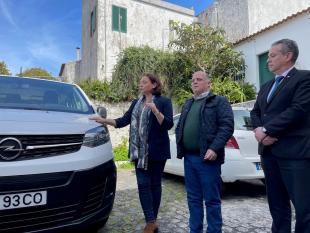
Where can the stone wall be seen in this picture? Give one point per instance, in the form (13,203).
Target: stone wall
(115,111)
(71,71)
(265,13)
(147,24)
(89,42)
(232,16)
(241,18)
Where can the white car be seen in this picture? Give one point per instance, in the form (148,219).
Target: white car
(242,161)
(56,166)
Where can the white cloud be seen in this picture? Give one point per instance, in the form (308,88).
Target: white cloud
(7,14)
(30,42)
(47,49)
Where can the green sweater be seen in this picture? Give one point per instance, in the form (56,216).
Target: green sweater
(191,128)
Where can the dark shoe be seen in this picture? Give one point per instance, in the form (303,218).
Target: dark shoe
(151,227)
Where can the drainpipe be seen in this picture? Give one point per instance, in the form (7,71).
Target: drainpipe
(216,9)
(105,39)
(78,53)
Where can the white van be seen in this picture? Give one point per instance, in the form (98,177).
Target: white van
(56,166)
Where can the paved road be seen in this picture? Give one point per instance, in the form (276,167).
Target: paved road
(244,207)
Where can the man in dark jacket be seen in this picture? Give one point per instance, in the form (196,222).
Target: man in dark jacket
(281,118)
(206,124)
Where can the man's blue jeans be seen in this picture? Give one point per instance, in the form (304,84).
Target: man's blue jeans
(149,186)
(203,183)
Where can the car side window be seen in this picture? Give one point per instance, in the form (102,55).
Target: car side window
(242,120)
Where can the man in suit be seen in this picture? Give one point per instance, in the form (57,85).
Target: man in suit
(281,118)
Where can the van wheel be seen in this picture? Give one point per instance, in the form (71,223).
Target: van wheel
(263,181)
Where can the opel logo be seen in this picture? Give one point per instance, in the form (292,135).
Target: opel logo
(10,148)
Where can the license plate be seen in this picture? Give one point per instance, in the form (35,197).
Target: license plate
(258,166)
(21,200)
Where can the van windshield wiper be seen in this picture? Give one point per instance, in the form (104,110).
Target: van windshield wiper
(32,108)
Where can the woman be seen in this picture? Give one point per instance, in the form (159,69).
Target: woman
(150,117)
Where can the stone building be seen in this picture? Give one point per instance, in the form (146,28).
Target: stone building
(109,26)
(253,25)
(255,46)
(241,18)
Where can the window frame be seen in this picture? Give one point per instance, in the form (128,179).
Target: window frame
(119,19)
(93,21)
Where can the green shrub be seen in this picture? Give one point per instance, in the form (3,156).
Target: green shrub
(121,150)
(228,88)
(132,63)
(175,70)
(100,90)
(127,165)
(181,96)
(172,68)
(232,90)
(249,91)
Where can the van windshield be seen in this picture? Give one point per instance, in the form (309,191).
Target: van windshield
(37,94)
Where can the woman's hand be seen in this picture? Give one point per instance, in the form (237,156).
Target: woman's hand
(98,119)
(160,117)
(153,107)
(102,120)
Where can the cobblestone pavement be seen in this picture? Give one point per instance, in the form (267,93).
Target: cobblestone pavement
(244,207)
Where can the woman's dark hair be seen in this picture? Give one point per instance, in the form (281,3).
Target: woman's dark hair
(154,80)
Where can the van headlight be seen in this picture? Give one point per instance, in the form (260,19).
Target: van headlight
(96,136)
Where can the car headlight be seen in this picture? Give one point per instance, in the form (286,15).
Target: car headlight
(96,136)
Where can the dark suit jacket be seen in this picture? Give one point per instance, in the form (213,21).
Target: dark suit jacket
(158,139)
(216,126)
(286,116)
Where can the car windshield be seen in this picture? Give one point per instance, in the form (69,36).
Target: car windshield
(36,94)
(242,120)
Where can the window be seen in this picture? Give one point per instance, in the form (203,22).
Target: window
(93,21)
(242,119)
(119,19)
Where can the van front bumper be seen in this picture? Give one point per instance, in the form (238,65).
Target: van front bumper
(75,199)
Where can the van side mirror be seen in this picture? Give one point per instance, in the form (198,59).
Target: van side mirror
(102,111)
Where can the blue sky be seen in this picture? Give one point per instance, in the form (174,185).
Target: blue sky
(199,5)
(45,33)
